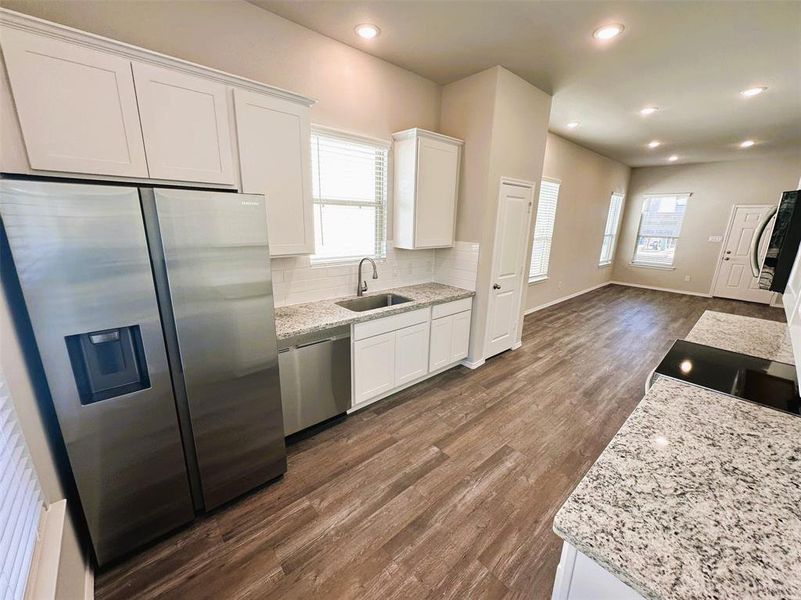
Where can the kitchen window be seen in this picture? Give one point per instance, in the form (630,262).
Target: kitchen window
(543,230)
(349,189)
(610,231)
(660,226)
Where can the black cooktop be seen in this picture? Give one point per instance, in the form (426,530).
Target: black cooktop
(766,382)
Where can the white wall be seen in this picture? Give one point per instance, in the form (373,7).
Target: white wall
(716,188)
(504,121)
(587,182)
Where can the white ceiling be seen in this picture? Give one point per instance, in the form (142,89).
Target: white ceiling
(689,58)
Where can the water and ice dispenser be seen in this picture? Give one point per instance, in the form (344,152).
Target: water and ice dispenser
(108,363)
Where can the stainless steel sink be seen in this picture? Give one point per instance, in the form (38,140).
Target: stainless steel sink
(372,302)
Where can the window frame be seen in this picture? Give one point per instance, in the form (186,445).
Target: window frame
(644,264)
(543,276)
(381,206)
(615,232)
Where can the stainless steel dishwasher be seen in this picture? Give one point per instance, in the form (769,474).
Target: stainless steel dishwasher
(315,377)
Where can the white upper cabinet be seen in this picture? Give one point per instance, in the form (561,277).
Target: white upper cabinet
(76,106)
(83,105)
(426,188)
(274,153)
(185,125)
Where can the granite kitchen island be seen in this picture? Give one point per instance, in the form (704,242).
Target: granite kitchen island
(697,496)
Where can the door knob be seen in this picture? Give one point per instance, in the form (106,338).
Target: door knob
(725,258)
(495,286)
(728,251)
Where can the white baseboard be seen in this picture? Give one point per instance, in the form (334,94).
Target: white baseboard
(661,289)
(473,364)
(568,297)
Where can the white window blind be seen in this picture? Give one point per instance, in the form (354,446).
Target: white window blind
(349,186)
(610,231)
(543,230)
(660,226)
(20,502)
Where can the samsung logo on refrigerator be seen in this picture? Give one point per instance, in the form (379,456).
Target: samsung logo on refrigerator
(249,203)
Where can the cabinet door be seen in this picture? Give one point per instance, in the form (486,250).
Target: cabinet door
(373,366)
(461,336)
(274,155)
(76,106)
(437,184)
(411,353)
(185,125)
(441,336)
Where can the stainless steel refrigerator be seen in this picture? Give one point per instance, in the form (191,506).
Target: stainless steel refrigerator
(152,310)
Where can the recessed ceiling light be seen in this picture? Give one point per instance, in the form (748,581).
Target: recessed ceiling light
(747,143)
(654,144)
(754,91)
(573,124)
(649,110)
(367,31)
(673,158)
(607,32)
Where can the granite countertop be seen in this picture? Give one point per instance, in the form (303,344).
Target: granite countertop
(697,496)
(299,319)
(757,337)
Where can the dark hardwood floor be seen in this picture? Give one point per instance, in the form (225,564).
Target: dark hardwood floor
(445,490)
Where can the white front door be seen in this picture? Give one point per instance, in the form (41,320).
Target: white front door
(508,264)
(735,279)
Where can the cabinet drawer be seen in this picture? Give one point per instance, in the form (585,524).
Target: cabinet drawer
(451,308)
(379,326)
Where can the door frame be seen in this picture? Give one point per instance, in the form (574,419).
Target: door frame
(496,248)
(722,250)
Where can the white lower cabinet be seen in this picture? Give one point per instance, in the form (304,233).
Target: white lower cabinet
(441,336)
(460,340)
(450,337)
(374,366)
(411,353)
(578,577)
(393,352)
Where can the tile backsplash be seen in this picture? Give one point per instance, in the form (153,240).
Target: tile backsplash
(457,266)
(296,280)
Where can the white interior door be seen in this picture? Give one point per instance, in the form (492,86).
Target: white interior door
(735,279)
(508,263)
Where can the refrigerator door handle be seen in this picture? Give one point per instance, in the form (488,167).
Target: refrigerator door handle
(757,240)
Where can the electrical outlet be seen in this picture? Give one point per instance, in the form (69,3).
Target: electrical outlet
(559,285)
(716,238)
(686,278)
